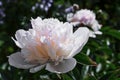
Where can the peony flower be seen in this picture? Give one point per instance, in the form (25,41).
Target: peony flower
(87,18)
(50,44)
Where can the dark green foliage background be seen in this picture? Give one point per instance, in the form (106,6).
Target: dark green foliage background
(18,15)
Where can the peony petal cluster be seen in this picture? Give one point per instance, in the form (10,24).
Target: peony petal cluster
(50,44)
(87,18)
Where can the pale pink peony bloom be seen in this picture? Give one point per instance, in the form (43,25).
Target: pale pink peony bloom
(87,18)
(50,44)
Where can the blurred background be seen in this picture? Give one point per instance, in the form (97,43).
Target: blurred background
(104,50)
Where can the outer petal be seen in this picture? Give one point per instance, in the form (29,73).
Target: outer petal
(36,23)
(92,34)
(69,17)
(63,67)
(17,43)
(36,69)
(23,37)
(96,26)
(98,32)
(17,61)
(19,35)
(80,38)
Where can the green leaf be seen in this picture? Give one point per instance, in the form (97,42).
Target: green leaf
(90,77)
(1,42)
(76,73)
(66,77)
(112,75)
(112,32)
(59,2)
(84,59)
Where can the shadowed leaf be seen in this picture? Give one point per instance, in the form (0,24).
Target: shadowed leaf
(84,59)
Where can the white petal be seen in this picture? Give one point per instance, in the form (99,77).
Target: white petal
(98,32)
(69,16)
(20,37)
(19,34)
(36,22)
(36,69)
(92,34)
(17,61)
(75,23)
(51,51)
(80,38)
(62,32)
(33,55)
(24,37)
(69,28)
(17,43)
(96,26)
(63,67)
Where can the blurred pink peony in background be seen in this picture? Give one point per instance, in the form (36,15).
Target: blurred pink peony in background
(86,18)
